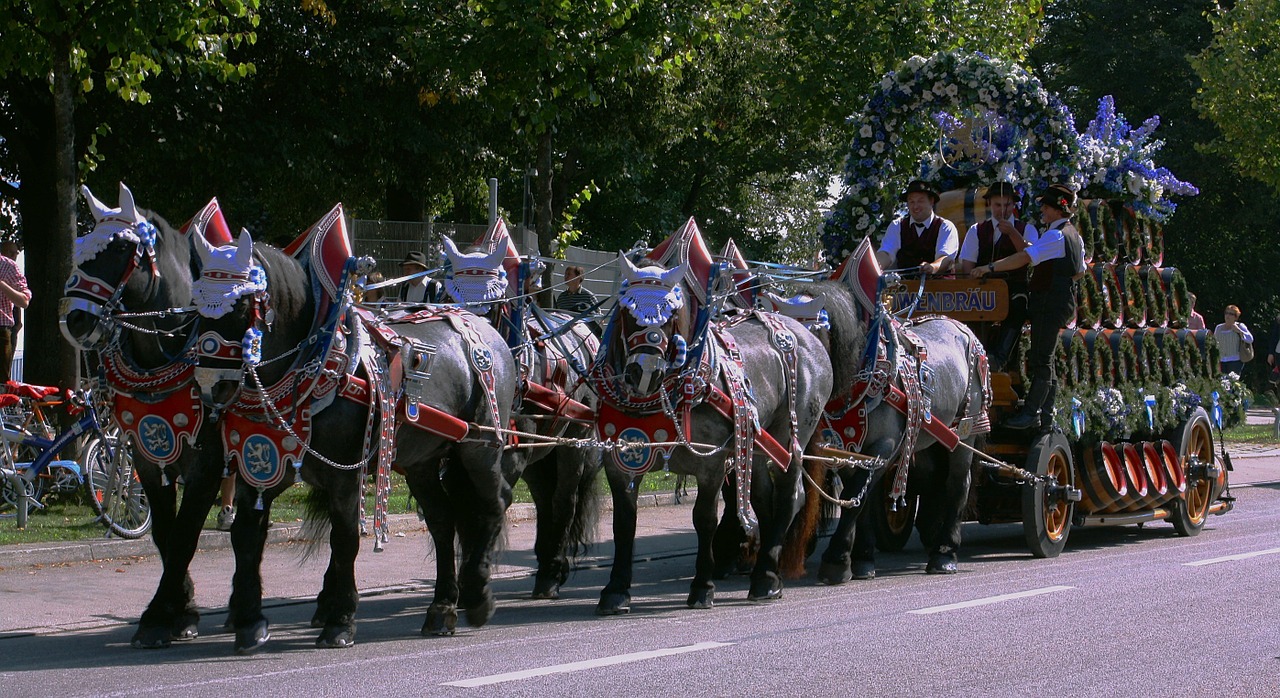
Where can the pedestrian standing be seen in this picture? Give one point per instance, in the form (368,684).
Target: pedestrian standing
(1230,335)
(14,297)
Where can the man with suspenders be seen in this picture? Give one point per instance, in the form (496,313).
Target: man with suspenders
(920,238)
(1001,235)
(1057,258)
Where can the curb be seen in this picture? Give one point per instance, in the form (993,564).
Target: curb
(19,555)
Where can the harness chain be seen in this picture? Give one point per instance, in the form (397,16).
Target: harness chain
(380,377)
(744,438)
(785,342)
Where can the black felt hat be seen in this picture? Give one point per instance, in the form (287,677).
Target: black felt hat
(1059,196)
(415,257)
(921,186)
(1001,189)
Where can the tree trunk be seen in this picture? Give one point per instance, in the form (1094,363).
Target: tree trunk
(544,209)
(47,167)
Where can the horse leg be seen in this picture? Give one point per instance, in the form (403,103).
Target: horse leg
(543,479)
(615,598)
(440,515)
(835,566)
(702,589)
(727,546)
(484,493)
(171,614)
(248,539)
(782,497)
(954,494)
(336,604)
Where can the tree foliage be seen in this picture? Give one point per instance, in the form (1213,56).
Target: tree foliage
(1241,91)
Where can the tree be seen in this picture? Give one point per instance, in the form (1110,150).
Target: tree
(53,56)
(1241,92)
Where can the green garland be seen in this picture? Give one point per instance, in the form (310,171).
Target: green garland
(1112,305)
(1178,296)
(1088,301)
(1117,230)
(1080,369)
(1157,301)
(1135,296)
(1150,356)
(1176,353)
(1088,229)
(1100,222)
(1135,242)
(1125,354)
(1104,361)
(1194,355)
(1155,243)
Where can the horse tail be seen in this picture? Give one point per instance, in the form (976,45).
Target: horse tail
(586,513)
(315,521)
(801,537)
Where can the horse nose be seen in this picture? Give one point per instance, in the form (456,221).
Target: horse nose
(81,329)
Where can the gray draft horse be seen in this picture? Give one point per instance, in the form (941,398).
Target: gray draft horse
(959,393)
(645,365)
(451,378)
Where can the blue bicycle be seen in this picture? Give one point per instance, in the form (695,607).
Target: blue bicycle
(31,470)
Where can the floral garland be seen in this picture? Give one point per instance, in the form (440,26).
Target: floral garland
(1195,356)
(1179,296)
(1119,162)
(1100,221)
(1088,302)
(950,81)
(1135,297)
(1157,300)
(1111,300)
(1155,244)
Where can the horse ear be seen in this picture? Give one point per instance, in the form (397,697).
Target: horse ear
(451,250)
(244,250)
(128,209)
(629,270)
(97,208)
(203,249)
(493,260)
(672,277)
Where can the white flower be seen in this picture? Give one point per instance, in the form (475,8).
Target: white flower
(952,90)
(877,147)
(865,131)
(886,83)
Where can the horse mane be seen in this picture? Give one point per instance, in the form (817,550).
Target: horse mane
(289,284)
(848,334)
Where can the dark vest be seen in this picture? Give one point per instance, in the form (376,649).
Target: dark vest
(917,249)
(1055,277)
(988,253)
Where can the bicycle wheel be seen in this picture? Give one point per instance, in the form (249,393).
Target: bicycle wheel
(113,488)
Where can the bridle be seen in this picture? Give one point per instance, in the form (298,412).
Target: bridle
(99,298)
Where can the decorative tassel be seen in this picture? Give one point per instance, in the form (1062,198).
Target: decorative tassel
(258,504)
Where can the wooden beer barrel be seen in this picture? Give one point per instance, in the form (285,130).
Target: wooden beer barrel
(1158,490)
(1175,477)
(1135,481)
(1102,478)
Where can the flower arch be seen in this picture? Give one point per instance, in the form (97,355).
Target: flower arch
(1046,147)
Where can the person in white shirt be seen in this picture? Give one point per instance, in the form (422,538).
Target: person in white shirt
(1058,260)
(1001,235)
(422,289)
(920,238)
(1230,334)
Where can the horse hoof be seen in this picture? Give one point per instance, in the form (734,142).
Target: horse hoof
(941,565)
(251,639)
(151,638)
(441,620)
(480,613)
(545,589)
(766,590)
(187,628)
(337,637)
(834,573)
(613,604)
(702,599)
(863,569)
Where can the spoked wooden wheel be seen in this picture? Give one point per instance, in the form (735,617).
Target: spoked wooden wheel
(1194,441)
(1046,508)
(893,528)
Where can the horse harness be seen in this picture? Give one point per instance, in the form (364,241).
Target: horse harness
(904,380)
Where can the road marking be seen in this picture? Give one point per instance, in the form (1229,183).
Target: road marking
(583,665)
(1231,558)
(988,600)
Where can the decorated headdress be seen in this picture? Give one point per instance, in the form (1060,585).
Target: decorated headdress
(227,274)
(476,278)
(651,294)
(126,223)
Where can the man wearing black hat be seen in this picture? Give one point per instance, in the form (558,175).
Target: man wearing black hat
(1058,260)
(1002,235)
(420,289)
(919,238)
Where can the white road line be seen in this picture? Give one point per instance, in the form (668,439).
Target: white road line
(988,600)
(583,665)
(1231,558)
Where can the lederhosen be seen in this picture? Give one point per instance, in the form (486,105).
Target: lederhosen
(917,249)
(1052,306)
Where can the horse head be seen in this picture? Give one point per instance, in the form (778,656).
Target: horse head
(648,324)
(476,278)
(114,267)
(231,297)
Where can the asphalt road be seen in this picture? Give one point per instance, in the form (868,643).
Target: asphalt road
(1123,612)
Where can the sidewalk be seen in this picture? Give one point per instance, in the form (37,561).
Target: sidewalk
(19,555)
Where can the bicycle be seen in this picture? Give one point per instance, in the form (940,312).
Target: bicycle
(30,470)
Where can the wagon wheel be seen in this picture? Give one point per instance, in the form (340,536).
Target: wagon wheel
(1194,441)
(893,528)
(1046,509)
